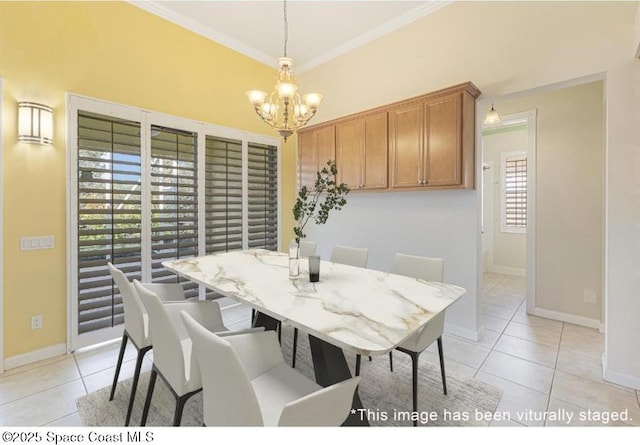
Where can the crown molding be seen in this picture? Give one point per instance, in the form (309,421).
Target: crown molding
(375,33)
(198,28)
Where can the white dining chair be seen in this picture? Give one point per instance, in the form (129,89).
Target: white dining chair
(307,249)
(247,383)
(172,356)
(428,269)
(351,256)
(136,325)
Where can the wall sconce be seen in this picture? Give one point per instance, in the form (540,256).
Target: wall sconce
(492,117)
(35,123)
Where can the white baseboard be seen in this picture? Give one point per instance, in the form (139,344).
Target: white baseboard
(35,356)
(569,318)
(619,378)
(517,271)
(463,332)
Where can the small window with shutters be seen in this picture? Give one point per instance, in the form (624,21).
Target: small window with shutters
(514,192)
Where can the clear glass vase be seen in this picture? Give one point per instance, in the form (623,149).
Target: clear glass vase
(294,260)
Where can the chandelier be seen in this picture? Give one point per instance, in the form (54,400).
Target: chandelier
(284,110)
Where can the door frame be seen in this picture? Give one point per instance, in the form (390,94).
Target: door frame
(1,233)
(529,117)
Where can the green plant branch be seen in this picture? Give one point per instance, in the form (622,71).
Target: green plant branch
(308,206)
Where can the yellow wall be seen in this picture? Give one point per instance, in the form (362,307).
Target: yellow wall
(117,52)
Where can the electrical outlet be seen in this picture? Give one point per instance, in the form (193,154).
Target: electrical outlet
(36,322)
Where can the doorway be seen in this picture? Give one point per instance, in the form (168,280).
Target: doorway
(565,187)
(508,206)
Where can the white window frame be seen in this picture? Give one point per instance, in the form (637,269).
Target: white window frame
(146,118)
(504,157)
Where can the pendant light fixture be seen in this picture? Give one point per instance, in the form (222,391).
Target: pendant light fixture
(284,109)
(492,117)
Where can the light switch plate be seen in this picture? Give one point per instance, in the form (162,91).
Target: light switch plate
(36,242)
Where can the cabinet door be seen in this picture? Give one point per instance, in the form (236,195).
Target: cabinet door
(315,148)
(406,132)
(375,151)
(349,141)
(443,142)
(307,158)
(325,148)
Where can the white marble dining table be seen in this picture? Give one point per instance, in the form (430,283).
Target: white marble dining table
(353,309)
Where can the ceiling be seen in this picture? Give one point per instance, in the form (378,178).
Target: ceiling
(318,30)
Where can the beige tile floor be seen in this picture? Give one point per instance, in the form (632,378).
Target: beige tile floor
(541,365)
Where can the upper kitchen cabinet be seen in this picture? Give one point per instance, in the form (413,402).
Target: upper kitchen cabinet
(361,151)
(422,143)
(315,148)
(431,140)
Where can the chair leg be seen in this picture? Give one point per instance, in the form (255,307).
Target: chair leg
(444,378)
(358,359)
(414,363)
(177,416)
(147,403)
(295,347)
(134,384)
(391,361)
(180,402)
(123,346)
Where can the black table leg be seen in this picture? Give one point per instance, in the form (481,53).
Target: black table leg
(331,367)
(265,321)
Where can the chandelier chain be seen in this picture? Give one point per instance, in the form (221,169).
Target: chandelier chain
(286,28)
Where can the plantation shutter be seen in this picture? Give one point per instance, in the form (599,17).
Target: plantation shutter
(262,179)
(223,195)
(109,215)
(515,192)
(174,202)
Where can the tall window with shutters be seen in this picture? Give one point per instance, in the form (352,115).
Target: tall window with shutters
(174,202)
(109,226)
(514,192)
(223,195)
(144,193)
(262,173)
